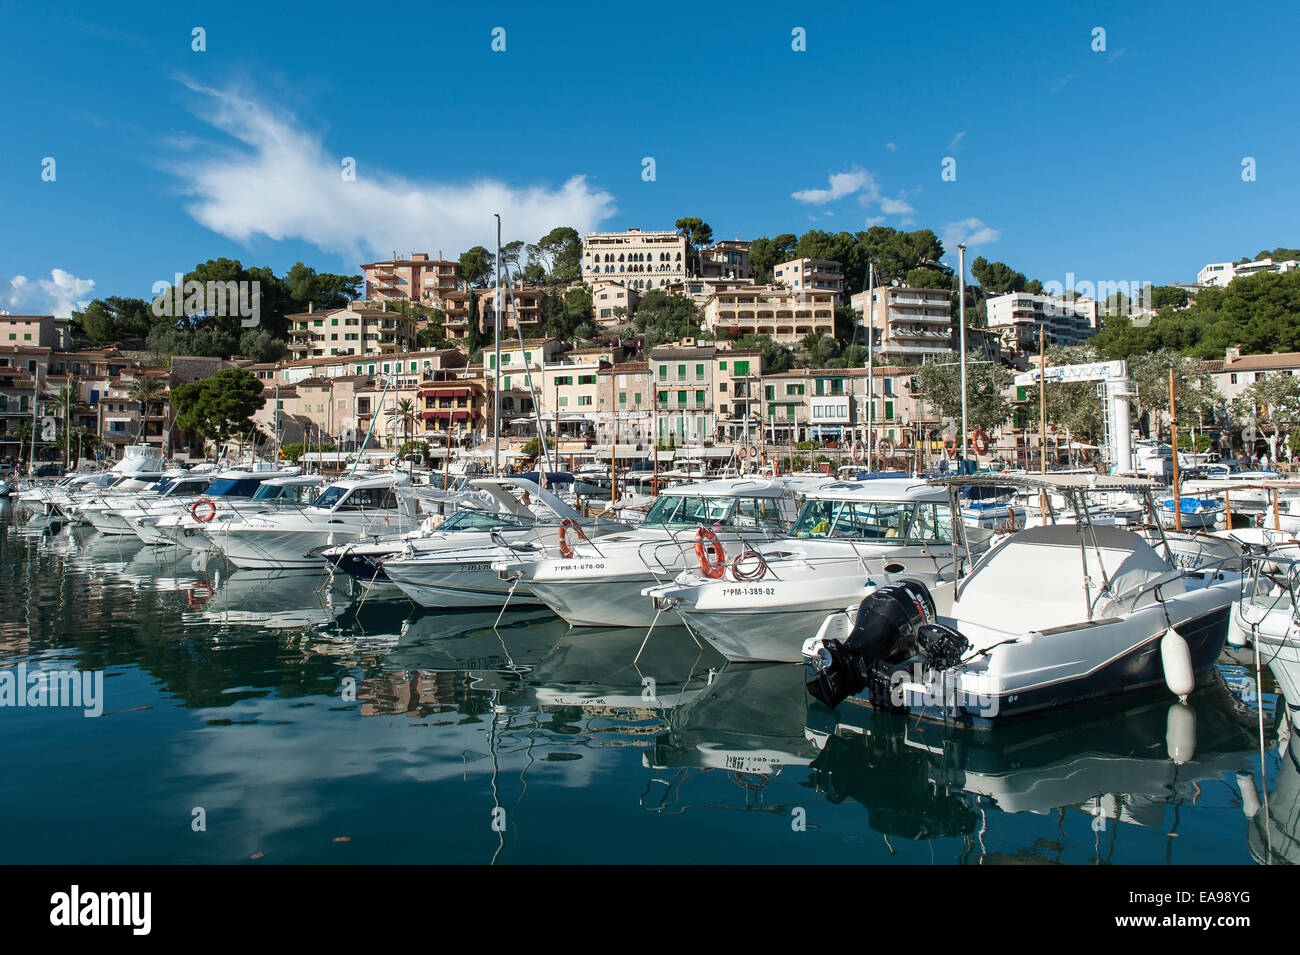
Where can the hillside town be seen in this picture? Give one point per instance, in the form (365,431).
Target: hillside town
(770,355)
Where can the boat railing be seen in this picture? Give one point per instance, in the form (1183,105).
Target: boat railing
(681,543)
(1134,594)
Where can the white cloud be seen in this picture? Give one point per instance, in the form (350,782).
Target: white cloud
(892,147)
(956,140)
(59,295)
(971,231)
(896,207)
(875,220)
(841,184)
(282,183)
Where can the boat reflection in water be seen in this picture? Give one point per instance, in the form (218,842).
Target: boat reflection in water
(274,600)
(1134,764)
(1273,828)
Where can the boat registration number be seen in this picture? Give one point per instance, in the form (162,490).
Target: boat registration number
(748,591)
(582,565)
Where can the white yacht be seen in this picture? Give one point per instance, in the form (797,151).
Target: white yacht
(600,583)
(1049,616)
(105,511)
(230,494)
(452,567)
(345,511)
(761,602)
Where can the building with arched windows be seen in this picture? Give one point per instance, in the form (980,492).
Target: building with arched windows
(634,259)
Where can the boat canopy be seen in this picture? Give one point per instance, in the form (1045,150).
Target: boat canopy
(881,489)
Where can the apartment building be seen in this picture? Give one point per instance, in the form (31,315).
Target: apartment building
(683,376)
(612,303)
(521,311)
(1219,274)
(627,389)
(737,377)
(830,405)
(1237,372)
(787,315)
(698,290)
(20,366)
(1018,317)
(726,259)
(410,367)
(455,407)
(910,324)
(805,273)
(34,331)
(354,330)
(417,278)
(636,259)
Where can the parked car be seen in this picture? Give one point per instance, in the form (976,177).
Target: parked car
(50,470)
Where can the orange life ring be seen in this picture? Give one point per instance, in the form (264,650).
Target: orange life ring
(740,453)
(565,550)
(211,512)
(981,442)
(198,595)
(711,567)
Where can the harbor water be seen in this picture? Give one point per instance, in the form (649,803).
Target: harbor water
(261,718)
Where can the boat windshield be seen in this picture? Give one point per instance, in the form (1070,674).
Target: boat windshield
(472,520)
(693,510)
(232,487)
(875,520)
(295,493)
(357,499)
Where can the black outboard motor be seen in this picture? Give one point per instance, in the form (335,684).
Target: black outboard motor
(885,633)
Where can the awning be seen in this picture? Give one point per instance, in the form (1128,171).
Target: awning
(434,391)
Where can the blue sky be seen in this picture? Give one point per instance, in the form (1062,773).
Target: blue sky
(1117,165)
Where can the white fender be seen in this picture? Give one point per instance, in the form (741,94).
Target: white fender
(1177,661)
(1249,794)
(1180,733)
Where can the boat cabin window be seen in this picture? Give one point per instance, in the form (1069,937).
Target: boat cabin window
(231,487)
(368,498)
(875,520)
(690,510)
(471,520)
(757,512)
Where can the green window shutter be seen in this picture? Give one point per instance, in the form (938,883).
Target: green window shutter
(699,372)
(742,368)
(769,392)
(722,366)
(681,397)
(663,372)
(505,383)
(681,371)
(889,411)
(699,398)
(663,397)
(622,399)
(789,412)
(636,400)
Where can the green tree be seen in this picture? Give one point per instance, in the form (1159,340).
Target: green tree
(663,317)
(997,278)
(1272,402)
(698,234)
(261,346)
(113,319)
(1194,390)
(401,417)
(987,404)
(221,407)
(477,266)
(765,254)
(557,256)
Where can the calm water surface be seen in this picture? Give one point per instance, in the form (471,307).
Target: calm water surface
(311,727)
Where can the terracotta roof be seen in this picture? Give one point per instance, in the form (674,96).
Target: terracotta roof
(1275,362)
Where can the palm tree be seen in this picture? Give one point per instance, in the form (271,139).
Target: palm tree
(22,432)
(403,413)
(69,402)
(145,391)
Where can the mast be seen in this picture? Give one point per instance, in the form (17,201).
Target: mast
(961,321)
(496,389)
(1042,397)
(871,338)
(654,432)
(1173,435)
(36,403)
(613,437)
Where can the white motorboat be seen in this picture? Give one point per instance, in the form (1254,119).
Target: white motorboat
(105,511)
(761,603)
(345,511)
(453,566)
(180,518)
(1049,616)
(601,583)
